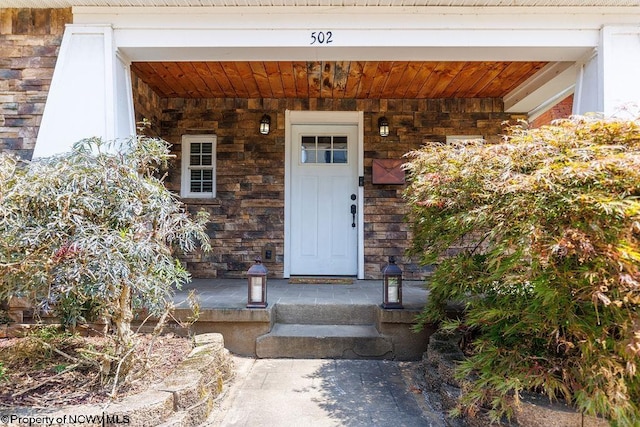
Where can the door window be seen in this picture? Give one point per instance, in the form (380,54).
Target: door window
(324,149)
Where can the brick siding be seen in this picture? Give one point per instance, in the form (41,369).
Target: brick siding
(561,110)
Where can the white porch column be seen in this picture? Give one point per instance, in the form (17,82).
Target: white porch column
(608,81)
(90,92)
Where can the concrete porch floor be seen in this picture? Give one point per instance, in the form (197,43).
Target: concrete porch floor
(232,293)
(309,320)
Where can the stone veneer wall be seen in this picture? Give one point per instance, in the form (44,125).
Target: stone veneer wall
(248,212)
(148,105)
(29,44)
(412,123)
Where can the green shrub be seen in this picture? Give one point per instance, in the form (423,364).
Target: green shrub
(95,232)
(549,225)
(73,310)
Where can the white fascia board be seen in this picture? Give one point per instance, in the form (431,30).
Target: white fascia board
(554,78)
(279,17)
(389,33)
(390,37)
(390,44)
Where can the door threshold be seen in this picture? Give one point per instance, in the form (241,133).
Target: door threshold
(321,280)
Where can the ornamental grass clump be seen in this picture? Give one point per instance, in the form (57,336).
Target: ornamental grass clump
(95,232)
(549,276)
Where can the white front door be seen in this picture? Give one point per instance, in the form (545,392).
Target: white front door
(324,192)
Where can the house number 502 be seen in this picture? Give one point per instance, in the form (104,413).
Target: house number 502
(321,37)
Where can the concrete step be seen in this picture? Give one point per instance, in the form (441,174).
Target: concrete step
(326,314)
(332,341)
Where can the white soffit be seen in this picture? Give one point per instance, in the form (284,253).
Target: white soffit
(382,3)
(558,77)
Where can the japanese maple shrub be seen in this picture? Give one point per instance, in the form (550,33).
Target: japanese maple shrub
(549,277)
(95,230)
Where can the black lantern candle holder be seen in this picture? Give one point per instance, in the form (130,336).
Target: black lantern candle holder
(392,285)
(257,284)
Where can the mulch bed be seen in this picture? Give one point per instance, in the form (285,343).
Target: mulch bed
(43,372)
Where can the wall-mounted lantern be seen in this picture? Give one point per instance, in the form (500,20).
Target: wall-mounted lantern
(257,281)
(392,285)
(265,124)
(383,126)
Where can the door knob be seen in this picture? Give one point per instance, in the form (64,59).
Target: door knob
(353,215)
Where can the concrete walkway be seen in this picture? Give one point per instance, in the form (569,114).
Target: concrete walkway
(321,392)
(317,392)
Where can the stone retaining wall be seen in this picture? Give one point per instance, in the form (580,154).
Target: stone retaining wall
(185,398)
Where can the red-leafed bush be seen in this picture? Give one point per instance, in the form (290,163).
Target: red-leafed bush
(550,277)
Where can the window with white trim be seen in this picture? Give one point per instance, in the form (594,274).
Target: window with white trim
(452,138)
(198,166)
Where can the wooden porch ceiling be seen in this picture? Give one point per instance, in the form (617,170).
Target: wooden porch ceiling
(335,79)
